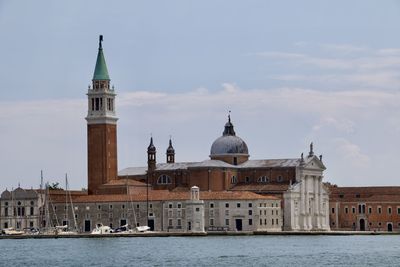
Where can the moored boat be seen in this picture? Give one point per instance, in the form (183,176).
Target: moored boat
(101,230)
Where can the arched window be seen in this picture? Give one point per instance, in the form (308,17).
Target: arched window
(164,179)
(263,179)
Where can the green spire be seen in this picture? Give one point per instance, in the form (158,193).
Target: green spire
(100,71)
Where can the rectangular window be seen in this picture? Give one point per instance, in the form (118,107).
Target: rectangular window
(150,206)
(99,207)
(170,222)
(170,205)
(211,205)
(179,205)
(179,223)
(277,212)
(250,221)
(237,205)
(272,221)
(226,205)
(197,209)
(346,210)
(353,210)
(333,210)
(211,222)
(250,212)
(272,212)
(390,210)
(276,221)
(250,205)
(379,210)
(398,210)
(226,222)
(260,221)
(260,212)
(369,210)
(111,207)
(227,212)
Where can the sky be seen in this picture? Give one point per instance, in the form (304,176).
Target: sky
(291,72)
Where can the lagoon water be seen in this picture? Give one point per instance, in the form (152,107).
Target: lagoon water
(204,251)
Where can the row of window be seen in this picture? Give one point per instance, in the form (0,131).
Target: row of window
(165,179)
(261,179)
(361,210)
(179,205)
(19,203)
(19,211)
(97,104)
(276,212)
(273,221)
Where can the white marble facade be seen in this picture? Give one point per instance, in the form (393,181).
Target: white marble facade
(307,201)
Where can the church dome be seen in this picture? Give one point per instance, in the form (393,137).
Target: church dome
(229,143)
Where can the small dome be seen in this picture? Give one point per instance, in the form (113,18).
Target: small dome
(229,143)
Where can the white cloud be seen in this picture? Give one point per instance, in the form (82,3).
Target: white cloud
(342,125)
(352,153)
(344,48)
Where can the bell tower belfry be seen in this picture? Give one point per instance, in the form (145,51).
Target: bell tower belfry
(101,127)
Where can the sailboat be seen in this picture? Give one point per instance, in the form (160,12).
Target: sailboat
(143,228)
(101,230)
(64,229)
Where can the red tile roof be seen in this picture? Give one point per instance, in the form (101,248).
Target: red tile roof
(160,195)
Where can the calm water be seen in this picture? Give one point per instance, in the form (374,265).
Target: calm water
(204,251)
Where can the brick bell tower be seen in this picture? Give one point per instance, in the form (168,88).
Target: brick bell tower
(101,127)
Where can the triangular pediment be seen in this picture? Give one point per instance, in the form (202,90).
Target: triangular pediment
(314,162)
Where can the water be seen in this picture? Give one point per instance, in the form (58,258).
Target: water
(204,251)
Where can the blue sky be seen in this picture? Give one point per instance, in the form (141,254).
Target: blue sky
(292,72)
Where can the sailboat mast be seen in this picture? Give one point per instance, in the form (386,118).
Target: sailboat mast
(72,205)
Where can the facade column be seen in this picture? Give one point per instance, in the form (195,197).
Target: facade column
(321,208)
(317,224)
(308,213)
(302,203)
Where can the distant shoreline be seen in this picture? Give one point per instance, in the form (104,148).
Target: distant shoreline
(227,233)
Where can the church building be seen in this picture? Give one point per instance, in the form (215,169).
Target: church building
(297,182)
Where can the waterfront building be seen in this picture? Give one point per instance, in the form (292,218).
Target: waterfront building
(365,208)
(190,211)
(20,208)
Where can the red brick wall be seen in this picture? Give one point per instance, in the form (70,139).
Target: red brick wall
(102,155)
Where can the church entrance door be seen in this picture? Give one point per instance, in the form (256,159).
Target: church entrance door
(362,225)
